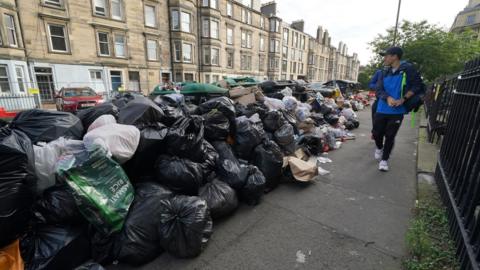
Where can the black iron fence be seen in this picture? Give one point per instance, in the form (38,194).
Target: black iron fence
(456,113)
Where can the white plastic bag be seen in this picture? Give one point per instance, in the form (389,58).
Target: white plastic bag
(290,103)
(287,92)
(274,104)
(46,157)
(349,114)
(101,121)
(120,140)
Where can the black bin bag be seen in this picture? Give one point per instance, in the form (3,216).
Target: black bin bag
(185,136)
(88,116)
(17,184)
(228,166)
(90,265)
(173,106)
(268,158)
(138,242)
(140,112)
(47,126)
(248,135)
(273,121)
(220,197)
(55,247)
(57,206)
(185,226)
(284,137)
(254,187)
(217,126)
(178,174)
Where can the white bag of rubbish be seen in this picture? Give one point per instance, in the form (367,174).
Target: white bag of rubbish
(303,111)
(287,92)
(290,103)
(46,157)
(274,104)
(349,114)
(120,140)
(101,121)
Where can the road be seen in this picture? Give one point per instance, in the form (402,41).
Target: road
(354,218)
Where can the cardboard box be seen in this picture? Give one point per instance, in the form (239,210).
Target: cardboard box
(247,99)
(239,92)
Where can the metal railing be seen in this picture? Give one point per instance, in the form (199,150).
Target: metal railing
(18,102)
(458,168)
(437,107)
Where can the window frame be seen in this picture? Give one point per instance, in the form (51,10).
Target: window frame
(229,10)
(232,36)
(11,29)
(125,47)
(7,73)
(208,51)
(155,23)
(191,52)
(104,42)
(207,29)
(121,9)
(230,55)
(181,13)
(65,37)
(157,54)
(53,3)
(22,86)
(106,9)
(261,46)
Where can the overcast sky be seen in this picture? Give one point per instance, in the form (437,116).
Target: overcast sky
(356,22)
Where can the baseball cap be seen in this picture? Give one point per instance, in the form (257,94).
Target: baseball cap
(393,51)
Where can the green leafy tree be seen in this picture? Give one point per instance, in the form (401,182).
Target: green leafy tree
(434,51)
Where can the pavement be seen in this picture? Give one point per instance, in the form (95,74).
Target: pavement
(354,218)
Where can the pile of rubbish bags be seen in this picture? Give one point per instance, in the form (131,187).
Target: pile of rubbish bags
(134,177)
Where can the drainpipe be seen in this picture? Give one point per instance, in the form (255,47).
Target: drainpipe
(20,25)
(199,42)
(172,49)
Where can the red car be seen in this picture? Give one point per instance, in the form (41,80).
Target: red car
(74,99)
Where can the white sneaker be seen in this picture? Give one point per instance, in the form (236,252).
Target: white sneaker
(383,166)
(378,154)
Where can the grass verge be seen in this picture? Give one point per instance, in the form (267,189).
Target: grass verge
(428,241)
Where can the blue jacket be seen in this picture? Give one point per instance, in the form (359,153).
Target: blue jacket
(390,85)
(373,83)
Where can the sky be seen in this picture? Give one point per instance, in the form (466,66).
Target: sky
(357,22)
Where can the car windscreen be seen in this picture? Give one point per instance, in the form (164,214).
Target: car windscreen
(79,93)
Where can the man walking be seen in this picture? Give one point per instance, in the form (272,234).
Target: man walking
(397,84)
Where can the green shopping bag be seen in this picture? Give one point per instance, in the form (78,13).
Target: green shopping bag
(102,190)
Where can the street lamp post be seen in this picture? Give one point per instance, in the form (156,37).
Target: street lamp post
(396,24)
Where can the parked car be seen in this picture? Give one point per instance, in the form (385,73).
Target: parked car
(347,87)
(74,99)
(328,91)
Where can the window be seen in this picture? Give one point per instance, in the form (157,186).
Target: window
(261,63)
(230,56)
(189,77)
(56,3)
(215,78)
(284,65)
(58,40)
(4,82)
(293,54)
(95,75)
(120,50)
(178,50)
(244,39)
(187,52)
(103,43)
(150,18)
(175,20)
(207,78)
(274,62)
(262,44)
(210,3)
(11,32)
(274,25)
(285,52)
(185,22)
(100,7)
(247,3)
(178,77)
(210,28)
(229,35)
(246,16)
(246,62)
(285,36)
(249,40)
(211,56)
(471,19)
(117,10)
(262,22)
(20,78)
(274,46)
(229,9)
(152,50)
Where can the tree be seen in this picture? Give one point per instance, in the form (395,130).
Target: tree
(433,50)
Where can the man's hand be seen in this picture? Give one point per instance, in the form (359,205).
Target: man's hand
(391,102)
(399,102)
